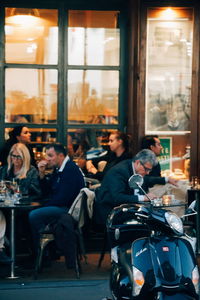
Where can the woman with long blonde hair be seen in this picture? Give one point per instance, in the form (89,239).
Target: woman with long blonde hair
(20,170)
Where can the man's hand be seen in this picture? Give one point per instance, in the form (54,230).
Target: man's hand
(42,168)
(151,197)
(173,181)
(90,167)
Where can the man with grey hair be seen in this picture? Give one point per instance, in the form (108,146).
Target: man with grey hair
(115,189)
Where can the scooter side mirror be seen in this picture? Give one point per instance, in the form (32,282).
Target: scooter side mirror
(190,211)
(135,181)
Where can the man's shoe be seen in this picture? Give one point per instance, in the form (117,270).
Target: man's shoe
(4,259)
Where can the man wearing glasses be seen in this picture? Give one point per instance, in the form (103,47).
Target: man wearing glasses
(115,189)
(153,143)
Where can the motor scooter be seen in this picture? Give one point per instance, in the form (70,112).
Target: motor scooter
(151,256)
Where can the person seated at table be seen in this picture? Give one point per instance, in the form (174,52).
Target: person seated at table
(26,177)
(115,190)
(153,143)
(119,144)
(19,134)
(20,170)
(59,189)
(4,258)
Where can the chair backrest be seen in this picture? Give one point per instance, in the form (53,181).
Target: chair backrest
(82,206)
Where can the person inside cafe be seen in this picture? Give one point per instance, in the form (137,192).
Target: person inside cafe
(153,143)
(19,134)
(23,178)
(59,189)
(115,190)
(119,144)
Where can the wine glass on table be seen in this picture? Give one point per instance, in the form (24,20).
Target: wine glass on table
(2,190)
(14,187)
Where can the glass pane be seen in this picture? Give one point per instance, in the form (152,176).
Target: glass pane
(169,70)
(43,135)
(39,139)
(31,36)
(168,86)
(86,143)
(175,156)
(92,32)
(31,96)
(93,96)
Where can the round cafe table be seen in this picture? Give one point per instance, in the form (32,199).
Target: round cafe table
(12,208)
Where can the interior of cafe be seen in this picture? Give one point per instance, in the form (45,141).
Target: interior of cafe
(72,72)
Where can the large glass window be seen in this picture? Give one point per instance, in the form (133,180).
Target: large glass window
(169,70)
(31,36)
(93,38)
(93,41)
(168,84)
(93,96)
(31,95)
(80,86)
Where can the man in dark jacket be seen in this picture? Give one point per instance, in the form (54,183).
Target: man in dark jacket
(115,189)
(59,189)
(153,143)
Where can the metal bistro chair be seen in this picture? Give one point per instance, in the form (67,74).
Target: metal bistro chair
(47,236)
(90,233)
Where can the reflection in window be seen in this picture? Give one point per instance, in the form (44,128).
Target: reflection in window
(92,32)
(85,144)
(168,86)
(43,135)
(31,36)
(31,95)
(93,96)
(39,139)
(169,70)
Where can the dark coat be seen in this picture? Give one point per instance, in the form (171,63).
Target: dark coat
(61,188)
(66,238)
(114,191)
(111,160)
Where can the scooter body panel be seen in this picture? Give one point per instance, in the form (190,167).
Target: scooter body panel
(160,266)
(166,263)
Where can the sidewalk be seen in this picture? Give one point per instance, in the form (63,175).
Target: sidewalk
(60,290)
(56,282)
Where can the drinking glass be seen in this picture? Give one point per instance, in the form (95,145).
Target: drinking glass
(2,190)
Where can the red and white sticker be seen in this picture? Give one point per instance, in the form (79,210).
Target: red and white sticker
(165,249)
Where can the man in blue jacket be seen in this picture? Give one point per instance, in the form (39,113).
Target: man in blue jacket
(59,189)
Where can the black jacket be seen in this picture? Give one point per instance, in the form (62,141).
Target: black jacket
(29,185)
(154,177)
(114,191)
(111,160)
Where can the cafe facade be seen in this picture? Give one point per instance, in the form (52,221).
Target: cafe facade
(76,70)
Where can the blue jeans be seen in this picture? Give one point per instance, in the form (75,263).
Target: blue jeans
(40,217)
